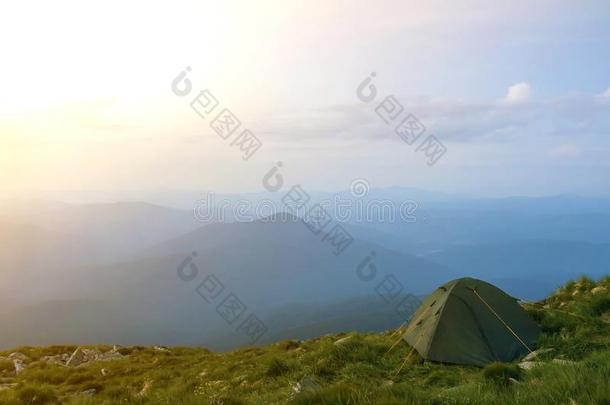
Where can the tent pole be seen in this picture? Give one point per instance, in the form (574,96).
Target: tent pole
(394,345)
(414,322)
(399,328)
(502,320)
(409,355)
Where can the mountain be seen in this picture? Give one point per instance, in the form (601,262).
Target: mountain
(367,313)
(110,232)
(266,264)
(120,262)
(282,254)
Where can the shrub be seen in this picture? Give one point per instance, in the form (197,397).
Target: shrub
(289,344)
(585,284)
(600,304)
(126,351)
(554,322)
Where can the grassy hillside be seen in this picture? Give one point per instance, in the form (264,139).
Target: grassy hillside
(343,368)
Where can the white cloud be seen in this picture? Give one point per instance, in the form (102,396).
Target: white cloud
(559,120)
(607,93)
(566,150)
(518,93)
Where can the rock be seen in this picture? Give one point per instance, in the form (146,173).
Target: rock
(387,383)
(513,381)
(239,379)
(562,361)
(105,372)
(307,383)
(528,365)
(109,355)
(89,393)
(60,359)
(575,293)
(536,353)
(19,366)
(162,349)
(599,290)
(145,389)
(82,356)
(18,356)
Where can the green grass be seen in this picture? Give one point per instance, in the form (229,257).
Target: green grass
(358,370)
(501,373)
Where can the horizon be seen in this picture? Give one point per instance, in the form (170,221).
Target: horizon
(144,196)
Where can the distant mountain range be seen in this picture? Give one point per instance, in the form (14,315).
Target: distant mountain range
(109,272)
(265,264)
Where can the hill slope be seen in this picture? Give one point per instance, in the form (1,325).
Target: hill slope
(335,369)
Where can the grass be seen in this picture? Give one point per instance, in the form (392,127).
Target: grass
(501,373)
(356,370)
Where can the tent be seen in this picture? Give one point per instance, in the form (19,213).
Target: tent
(471,322)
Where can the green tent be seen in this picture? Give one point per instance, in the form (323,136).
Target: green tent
(468,321)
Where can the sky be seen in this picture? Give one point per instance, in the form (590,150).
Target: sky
(517,94)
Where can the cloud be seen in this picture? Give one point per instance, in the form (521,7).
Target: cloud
(518,93)
(575,116)
(566,151)
(607,93)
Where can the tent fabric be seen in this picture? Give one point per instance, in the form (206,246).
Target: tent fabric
(454,325)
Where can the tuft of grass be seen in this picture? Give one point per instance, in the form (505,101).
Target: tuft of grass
(442,378)
(6,367)
(600,304)
(501,373)
(340,394)
(289,344)
(227,400)
(37,395)
(277,367)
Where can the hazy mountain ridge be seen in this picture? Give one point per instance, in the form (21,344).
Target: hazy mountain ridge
(266,264)
(98,253)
